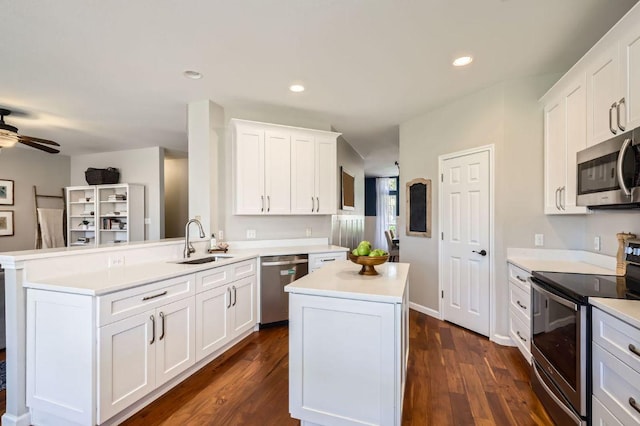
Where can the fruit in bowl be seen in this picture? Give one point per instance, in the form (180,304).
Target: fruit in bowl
(368,260)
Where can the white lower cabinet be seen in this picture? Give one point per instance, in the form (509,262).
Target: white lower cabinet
(318,260)
(91,358)
(520,310)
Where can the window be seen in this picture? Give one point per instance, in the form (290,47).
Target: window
(394,208)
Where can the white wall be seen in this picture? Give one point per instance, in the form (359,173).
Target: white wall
(144,166)
(176,196)
(354,163)
(28,167)
(508,116)
(267,227)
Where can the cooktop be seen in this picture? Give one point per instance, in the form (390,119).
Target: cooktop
(582,286)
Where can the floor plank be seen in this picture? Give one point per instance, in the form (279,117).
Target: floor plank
(455,377)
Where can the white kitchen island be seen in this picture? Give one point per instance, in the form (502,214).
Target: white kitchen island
(348,345)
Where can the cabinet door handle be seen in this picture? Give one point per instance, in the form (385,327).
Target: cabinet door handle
(162,334)
(614,131)
(562,191)
(520,336)
(633,349)
(634,404)
(235,295)
(262,203)
(620,102)
(521,279)
(229,290)
(153,329)
(268,203)
(318,207)
(327,260)
(520,304)
(154,296)
(557,192)
(313,205)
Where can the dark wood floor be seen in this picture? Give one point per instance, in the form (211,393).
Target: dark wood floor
(455,377)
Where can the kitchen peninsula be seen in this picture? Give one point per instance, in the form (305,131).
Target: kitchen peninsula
(348,345)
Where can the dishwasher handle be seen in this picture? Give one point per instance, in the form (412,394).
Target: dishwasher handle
(285,262)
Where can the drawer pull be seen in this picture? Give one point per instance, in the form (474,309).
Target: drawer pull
(521,305)
(235,295)
(327,260)
(153,329)
(154,296)
(162,335)
(634,404)
(229,290)
(520,336)
(521,279)
(633,349)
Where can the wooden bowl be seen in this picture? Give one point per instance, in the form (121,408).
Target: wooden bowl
(368,263)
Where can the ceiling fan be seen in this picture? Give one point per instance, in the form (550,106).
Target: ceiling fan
(9,137)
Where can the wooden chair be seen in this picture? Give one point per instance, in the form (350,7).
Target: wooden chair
(394,250)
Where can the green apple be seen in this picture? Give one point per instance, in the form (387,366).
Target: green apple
(355,252)
(364,248)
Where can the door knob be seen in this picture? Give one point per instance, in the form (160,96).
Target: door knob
(481,252)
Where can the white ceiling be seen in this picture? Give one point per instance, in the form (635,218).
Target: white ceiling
(107,75)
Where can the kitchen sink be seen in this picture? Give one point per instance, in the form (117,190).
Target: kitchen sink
(203,260)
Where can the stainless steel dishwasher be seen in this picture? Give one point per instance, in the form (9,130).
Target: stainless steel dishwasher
(275,273)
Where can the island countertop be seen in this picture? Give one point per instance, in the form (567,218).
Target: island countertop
(341,280)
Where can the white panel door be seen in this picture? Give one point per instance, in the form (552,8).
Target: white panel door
(575,101)
(127,361)
(465,225)
(277,172)
(249,175)
(175,328)
(603,93)
(303,163)
(325,175)
(630,78)
(243,305)
(555,155)
(212,329)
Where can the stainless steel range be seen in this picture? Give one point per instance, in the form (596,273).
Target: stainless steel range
(561,344)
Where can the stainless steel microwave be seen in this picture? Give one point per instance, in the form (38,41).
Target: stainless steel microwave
(609,173)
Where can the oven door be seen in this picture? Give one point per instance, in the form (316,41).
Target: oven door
(559,345)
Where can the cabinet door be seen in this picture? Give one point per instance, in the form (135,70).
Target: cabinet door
(126,363)
(212,318)
(603,92)
(249,175)
(575,102)
(303,175)
(243,305)
(630,78)
(554,155)
(175,331)
(325,175)
(277,169)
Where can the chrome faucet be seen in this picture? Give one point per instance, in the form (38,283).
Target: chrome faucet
(188,248)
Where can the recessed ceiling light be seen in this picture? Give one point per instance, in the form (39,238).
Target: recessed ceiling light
(296,88)
(462,61)
(194,75)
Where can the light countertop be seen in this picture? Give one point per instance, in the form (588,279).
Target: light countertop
(341,280)
(571,266)
(626,310)
(554,260)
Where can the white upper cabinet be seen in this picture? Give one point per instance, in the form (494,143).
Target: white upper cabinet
(630,78)
(604,93)
(564,136)
(281,170)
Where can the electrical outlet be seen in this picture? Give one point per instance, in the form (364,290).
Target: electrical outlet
(147,221)
(308,232)
(539,240)
(220,235)
(251,234)
(116,261)
(596,243)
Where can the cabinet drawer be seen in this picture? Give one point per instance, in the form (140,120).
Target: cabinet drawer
(122,304)
(243,269)
(213,278)
(615,384)
(521,334)
(520,301)
(601,416)
(519,275)
(617,337)
(318,260)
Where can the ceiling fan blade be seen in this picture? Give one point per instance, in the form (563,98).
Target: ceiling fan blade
(38,140)
(40,147)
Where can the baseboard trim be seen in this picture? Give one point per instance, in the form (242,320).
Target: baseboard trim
(11,420)
(425,310)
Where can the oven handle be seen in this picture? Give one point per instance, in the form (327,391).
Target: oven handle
(557,400)
(561,300)
(623,149)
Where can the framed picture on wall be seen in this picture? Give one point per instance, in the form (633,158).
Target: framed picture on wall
(419,208)
(6,192)
(348,189)
(6,223)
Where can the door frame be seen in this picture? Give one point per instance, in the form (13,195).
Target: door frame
(491,246)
